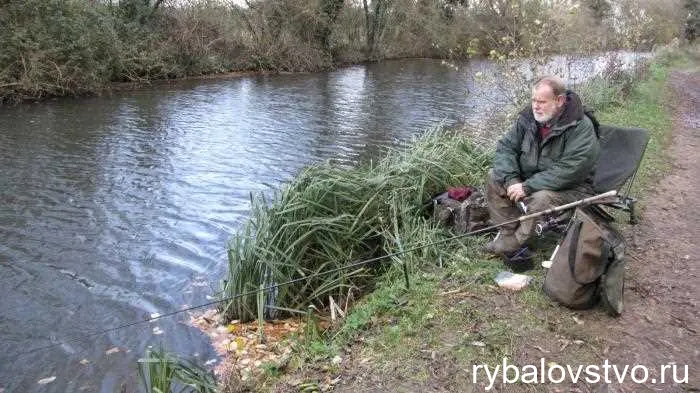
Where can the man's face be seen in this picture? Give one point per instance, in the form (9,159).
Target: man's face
(545,105)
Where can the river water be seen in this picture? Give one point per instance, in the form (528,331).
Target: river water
(114,208)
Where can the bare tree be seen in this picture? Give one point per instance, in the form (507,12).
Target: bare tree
(691,28)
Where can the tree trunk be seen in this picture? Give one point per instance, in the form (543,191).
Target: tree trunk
(375,22)
(368,29)
(330,10)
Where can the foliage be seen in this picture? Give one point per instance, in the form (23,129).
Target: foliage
(330,216)
(69,47)
(613,85)
(49,48)
(691,29)
(162,372)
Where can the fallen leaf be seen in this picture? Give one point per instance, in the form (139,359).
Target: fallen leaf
(240,343)
(478,344)
(578,321)
(112,350)
(44,381)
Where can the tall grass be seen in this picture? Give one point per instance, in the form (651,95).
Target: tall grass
(612,86)
(162,372)
(330,216)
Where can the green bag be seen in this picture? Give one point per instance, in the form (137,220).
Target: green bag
(588,266)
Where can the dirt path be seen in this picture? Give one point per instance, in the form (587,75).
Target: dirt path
(661,323)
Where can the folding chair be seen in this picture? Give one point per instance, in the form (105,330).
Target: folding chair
(621,152)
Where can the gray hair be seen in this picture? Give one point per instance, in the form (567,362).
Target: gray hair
(554,82)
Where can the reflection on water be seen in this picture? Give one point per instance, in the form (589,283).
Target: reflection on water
(118,207)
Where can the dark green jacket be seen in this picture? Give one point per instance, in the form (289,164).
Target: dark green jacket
(565,160)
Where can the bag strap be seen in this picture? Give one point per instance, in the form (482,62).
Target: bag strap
(573,247)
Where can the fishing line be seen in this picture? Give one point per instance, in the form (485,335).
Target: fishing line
(557,209)
(83,338)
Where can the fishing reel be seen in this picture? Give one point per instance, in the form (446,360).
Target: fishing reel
(553,223)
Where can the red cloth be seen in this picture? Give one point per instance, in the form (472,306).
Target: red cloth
(545,130)
(459,193)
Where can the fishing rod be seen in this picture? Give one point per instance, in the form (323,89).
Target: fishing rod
(557,209)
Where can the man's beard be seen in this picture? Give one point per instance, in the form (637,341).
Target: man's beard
(545,117)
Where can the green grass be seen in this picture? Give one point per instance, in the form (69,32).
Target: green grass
(162,372)
(331,216)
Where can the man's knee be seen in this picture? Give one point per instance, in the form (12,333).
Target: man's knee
(543,199)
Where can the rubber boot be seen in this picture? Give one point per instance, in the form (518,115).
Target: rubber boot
(503,244)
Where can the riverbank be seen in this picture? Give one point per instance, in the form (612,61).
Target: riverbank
(73,48)
(108,87)
(453,317)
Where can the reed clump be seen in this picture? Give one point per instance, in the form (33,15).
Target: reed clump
(163,372)
(330,216)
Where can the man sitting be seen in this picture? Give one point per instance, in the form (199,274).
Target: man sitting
(547,159)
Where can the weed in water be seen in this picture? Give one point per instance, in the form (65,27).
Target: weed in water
(162,372)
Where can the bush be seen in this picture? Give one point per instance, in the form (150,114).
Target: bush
(55,48)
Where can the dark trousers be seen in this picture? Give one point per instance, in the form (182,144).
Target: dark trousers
(502,209)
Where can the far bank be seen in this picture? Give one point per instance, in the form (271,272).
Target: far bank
(71,47)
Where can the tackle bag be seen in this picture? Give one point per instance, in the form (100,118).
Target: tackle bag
(468,214)
(589,265)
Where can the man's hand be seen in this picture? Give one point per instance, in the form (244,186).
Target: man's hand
(516,192)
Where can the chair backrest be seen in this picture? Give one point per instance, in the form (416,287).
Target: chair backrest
(621,151)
